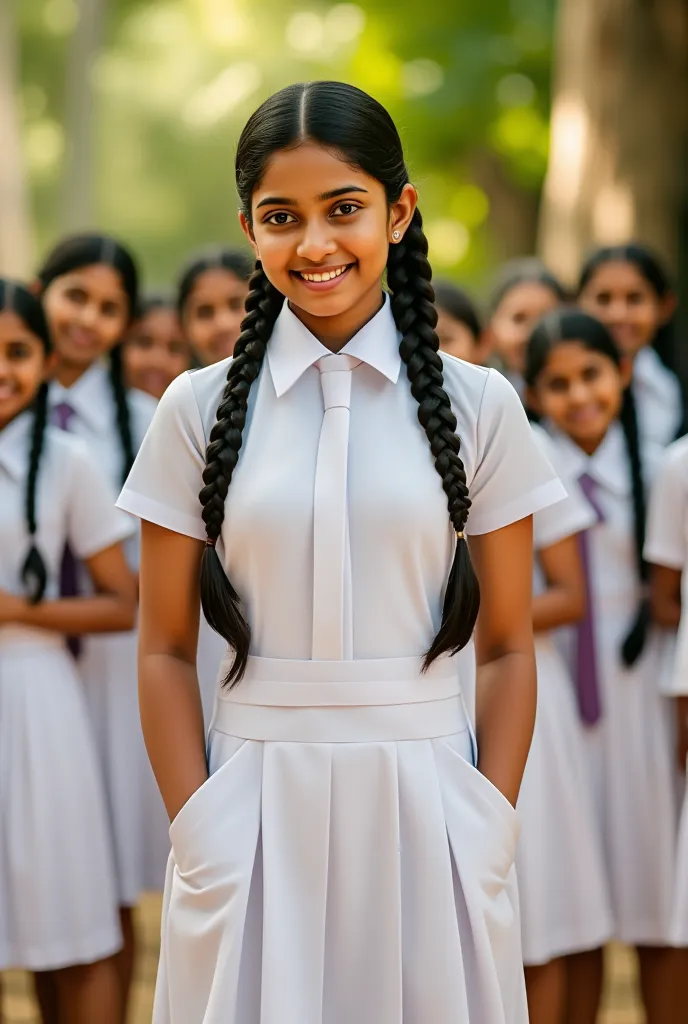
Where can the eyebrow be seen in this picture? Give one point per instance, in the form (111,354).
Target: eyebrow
(323,197)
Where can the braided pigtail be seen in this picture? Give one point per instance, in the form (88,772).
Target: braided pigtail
(34,574)
(220,601)
(634,643)
(408,277)
(122,410)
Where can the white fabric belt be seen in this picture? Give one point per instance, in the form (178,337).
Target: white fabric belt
(28,637)
(342,701)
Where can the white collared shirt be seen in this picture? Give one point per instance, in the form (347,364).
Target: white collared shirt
(658,397)
(95,418)
(74,503)
(400,535)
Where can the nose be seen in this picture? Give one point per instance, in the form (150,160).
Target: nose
(316,242)
(617,310)
(578,392)
(89,315)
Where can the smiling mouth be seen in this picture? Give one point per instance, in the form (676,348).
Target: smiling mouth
(322,276)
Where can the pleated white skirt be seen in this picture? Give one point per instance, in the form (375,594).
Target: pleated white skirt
(139,823)
(58,899)
(564,893)
(344,861)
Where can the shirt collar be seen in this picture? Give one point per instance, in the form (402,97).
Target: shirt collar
(650,372)
(90,396)
(608,465)
(14,442)
(293,349)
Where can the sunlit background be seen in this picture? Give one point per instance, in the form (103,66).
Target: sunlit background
(529,124)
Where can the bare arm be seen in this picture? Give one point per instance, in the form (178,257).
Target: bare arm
(169,698)
(506,689)
(111,609)
(563,602)
(665,595)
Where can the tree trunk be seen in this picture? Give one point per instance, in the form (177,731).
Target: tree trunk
(619,129)
(76,210)
(15,221)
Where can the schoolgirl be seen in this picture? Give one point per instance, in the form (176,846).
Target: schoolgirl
(562,879)
(345,859)
(627,288)
(459,325)
(577,382)
(89,285)
(155,349)
(666,549)
(525,291)
(211,293)
(58,897)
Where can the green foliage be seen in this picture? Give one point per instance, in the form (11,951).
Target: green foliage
(176,79)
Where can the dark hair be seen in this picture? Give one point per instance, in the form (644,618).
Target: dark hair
(16,298)
(525,270)
(236,261)
(653,271)
(353,124)
(73,253)
(574,325)
(151,301)
(459,306)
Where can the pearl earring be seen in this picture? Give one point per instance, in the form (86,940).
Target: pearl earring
(396,235)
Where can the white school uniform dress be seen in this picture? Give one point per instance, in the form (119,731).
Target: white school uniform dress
(658,398)
(108,663)
(629,750)
(58,899)
(559,862)
(667,545)
(345,860)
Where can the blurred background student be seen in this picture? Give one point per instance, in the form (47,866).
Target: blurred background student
(155,349)
(211,293)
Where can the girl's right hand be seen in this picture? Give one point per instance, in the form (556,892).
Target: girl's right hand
(682,731)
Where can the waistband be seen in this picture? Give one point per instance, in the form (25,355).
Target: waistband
(342,701)
(26,637)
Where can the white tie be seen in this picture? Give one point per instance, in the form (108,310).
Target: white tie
(332,613)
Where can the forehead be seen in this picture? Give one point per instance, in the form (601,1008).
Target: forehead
(159,318)
(99,280)
(619,275)
(304,172)
(529,294)
(13,328)
(216,282)
(571,357)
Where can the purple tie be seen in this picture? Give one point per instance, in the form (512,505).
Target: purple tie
(62,414)
(587,686)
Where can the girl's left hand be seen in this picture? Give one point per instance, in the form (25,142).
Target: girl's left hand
(11,608)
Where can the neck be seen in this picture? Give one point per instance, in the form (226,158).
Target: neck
(335,331)
(590,445)
(69,373)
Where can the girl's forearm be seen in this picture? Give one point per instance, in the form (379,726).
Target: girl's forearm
(172,722)
(506,696)
(102,613)
(557,606)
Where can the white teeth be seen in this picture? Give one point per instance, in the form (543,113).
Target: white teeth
(329,275)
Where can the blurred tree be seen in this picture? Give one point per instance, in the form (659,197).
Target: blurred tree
(618,166)
(15,227)
(76,208)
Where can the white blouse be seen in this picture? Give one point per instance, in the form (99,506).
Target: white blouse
(658,397)
(398,528)
(74,503)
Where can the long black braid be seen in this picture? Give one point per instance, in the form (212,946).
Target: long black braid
(122,410)
(347,121)
(27,307)
(409,280)
(573,325)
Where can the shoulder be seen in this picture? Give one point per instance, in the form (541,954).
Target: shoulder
(142,407)
(675,456)
(191,402)
(478,393)
(68,457)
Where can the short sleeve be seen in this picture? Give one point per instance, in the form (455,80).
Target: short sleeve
(513,477)
(94,523)
(167,474)
(665,542)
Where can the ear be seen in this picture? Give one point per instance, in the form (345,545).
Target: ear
(532,401)
(667,306)
(248,231)
(402,211)
(35,287)
(626,371)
